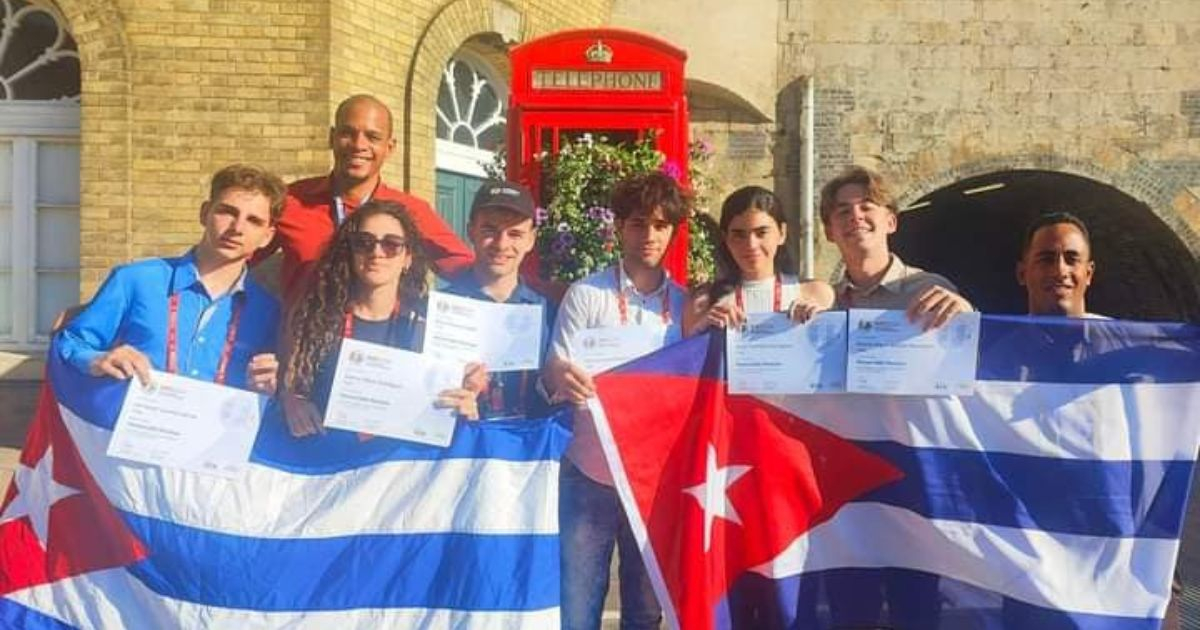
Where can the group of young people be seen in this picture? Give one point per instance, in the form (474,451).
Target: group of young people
(356,261)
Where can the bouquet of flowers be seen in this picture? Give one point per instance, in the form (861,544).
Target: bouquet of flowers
(576,231)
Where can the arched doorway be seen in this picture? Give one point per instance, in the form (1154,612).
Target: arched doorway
(972,232)
(39,172)
(471,121)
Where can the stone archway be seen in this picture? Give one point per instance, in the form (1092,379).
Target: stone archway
(105,136)
(971,230)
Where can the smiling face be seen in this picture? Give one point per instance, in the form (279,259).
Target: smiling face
(644,238)
(236,223)
(753,238)
(381,253)
(501,239)
(361,141)
(857,224)
(1056,271)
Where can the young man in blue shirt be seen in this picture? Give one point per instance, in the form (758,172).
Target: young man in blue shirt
(502,231)
(199,314)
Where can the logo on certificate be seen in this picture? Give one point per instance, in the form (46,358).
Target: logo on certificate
(356,357)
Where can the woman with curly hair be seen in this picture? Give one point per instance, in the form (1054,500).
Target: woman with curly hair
(369,285)
(754,271)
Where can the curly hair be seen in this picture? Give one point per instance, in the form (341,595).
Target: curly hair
(643,193)
(315,322)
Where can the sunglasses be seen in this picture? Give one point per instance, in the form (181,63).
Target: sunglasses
(365,242)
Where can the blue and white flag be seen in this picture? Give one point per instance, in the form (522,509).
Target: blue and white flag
(325,532)
(1051,498)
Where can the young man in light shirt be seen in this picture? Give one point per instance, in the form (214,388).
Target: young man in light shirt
(635,292)
(859,212)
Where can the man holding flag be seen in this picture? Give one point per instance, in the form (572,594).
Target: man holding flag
(1051,497)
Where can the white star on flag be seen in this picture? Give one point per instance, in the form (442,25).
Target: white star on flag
(36,492)
(713,493)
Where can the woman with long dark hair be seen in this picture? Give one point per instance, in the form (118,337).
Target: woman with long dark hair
(754,271)
(370,285)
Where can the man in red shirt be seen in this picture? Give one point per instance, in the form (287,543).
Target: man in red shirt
(361,141)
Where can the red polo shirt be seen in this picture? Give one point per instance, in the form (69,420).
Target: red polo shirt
(307,226)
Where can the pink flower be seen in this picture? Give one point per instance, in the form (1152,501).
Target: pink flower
(671,169)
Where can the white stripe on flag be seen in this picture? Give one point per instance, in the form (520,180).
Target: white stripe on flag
(1064,420)
(94,600)
(395,497)
(1088,574)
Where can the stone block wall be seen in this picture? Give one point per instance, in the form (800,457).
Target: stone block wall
(932,91)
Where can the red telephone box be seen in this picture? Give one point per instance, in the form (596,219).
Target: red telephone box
(607,82)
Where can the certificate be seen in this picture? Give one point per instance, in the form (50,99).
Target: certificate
(890,355)
(599,349)
(387,391)
(773,355)
(180,422)
(505,337)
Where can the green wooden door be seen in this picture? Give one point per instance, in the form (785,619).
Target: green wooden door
(454,194)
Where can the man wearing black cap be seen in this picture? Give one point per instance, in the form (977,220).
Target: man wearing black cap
(502,231)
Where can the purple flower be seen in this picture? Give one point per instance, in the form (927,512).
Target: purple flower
(601,214)
(705,147)
(671,169)
(540,216)
(562,243)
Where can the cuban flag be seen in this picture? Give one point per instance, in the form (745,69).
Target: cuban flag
(1051,498)
(331,532)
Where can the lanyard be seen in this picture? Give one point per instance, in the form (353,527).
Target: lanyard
(348,322)
(623,305)
(173,336)
(776,296)
(339,208)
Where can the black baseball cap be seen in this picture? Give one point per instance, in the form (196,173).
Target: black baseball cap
(504,194)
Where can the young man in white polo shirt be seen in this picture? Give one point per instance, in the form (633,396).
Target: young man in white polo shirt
(636,292)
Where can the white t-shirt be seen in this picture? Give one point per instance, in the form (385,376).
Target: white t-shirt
(593,303)
(758,296)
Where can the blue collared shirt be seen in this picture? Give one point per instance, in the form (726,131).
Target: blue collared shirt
(509,393)
(131,308)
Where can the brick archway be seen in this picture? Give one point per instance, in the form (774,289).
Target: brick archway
(455,23)
(105,135)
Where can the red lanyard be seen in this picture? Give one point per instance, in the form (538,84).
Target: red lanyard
(173,336)
(623,305)
(348,322)
(777,296)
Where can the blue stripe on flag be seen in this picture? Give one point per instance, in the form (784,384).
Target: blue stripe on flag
(438,570)
(1063,350)
(1088,497)
(14,615)
(854,598)
(336,451)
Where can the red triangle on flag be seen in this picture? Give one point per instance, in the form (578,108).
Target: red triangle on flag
(777,477)
(60,524)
